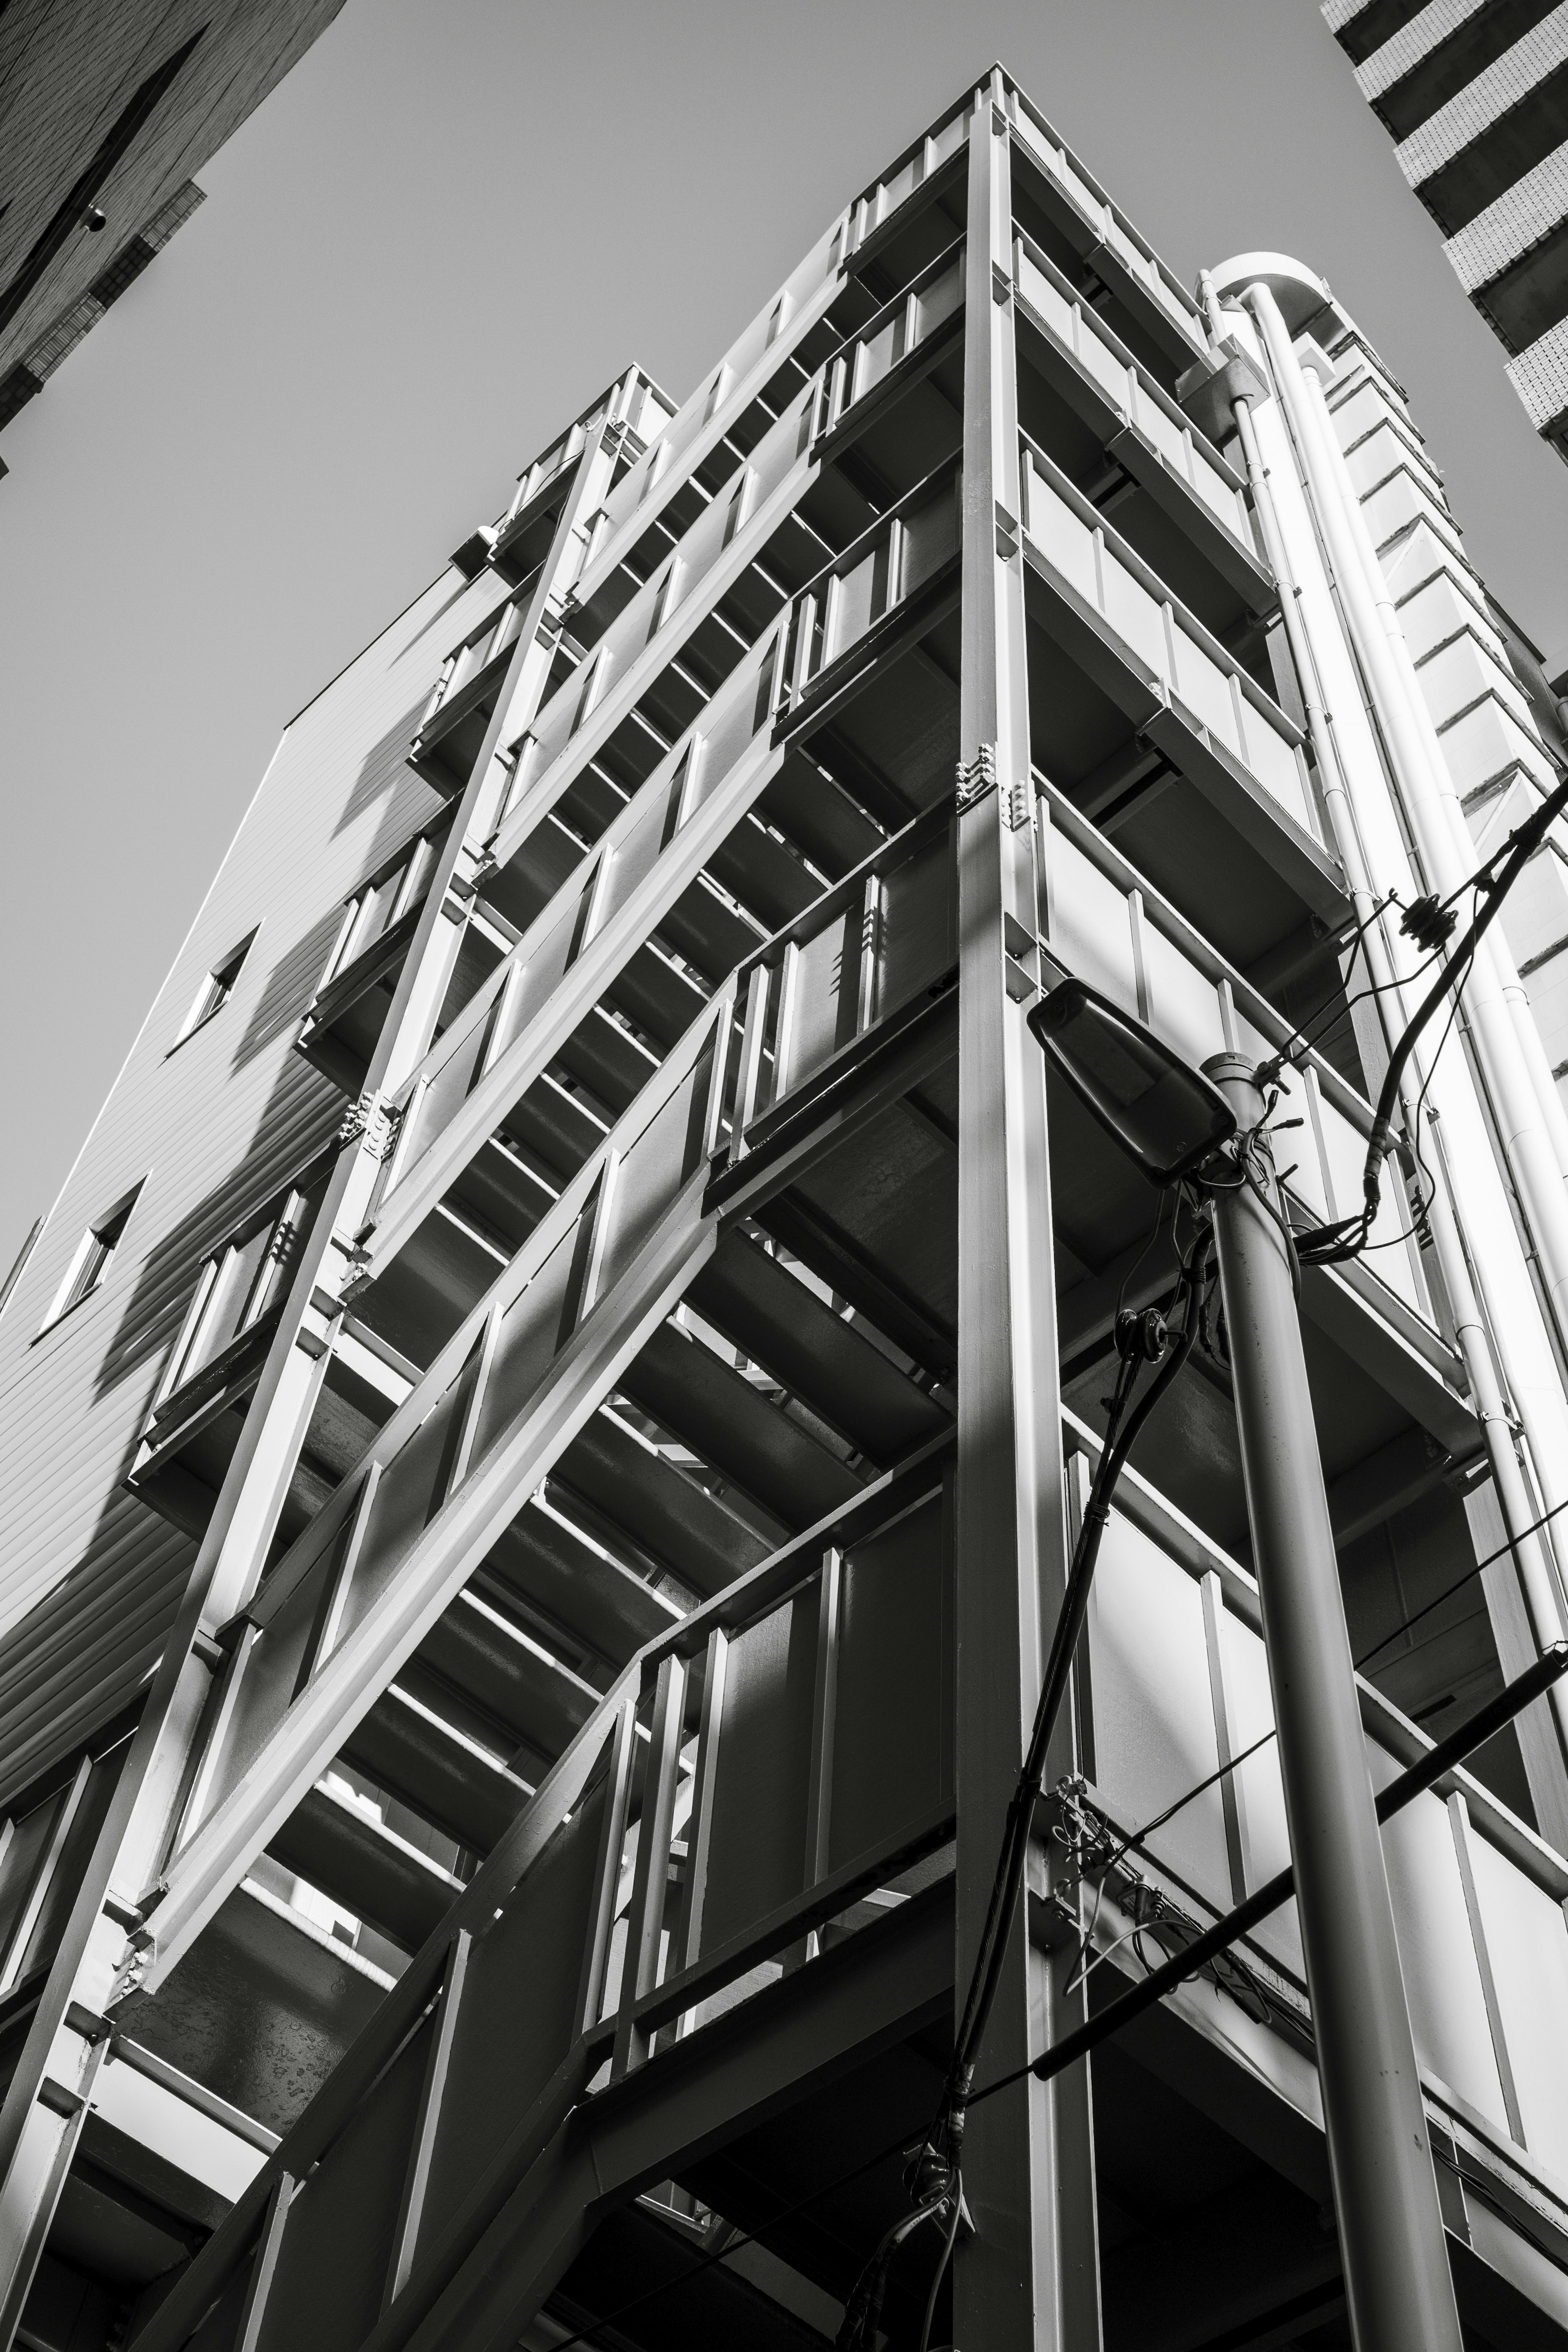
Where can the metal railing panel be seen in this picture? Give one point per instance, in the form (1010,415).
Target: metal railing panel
(1129,387)
(520,2013)
(1120,937)
(622,653)
(1103,217)
(339,2227)
(473,1438)
(1169,643)
(1527,1949)
(766,343)
(880,939)
(1178,1684)
(554,978)
(892,336)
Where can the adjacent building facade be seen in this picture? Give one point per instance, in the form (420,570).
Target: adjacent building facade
(105,114)
(1474,95)
(549,1417)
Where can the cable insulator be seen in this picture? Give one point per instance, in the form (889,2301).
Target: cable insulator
(1429,923)
(1142,1338)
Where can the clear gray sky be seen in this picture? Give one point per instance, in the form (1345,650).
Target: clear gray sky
(449,227)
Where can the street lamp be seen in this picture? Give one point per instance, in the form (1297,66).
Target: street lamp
(1163,1114)
(1207,1127)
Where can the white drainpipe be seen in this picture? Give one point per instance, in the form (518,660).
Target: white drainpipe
(1538,1588)
(1427,793)
(1506,980)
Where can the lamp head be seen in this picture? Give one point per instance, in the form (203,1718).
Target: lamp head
(1164,1115)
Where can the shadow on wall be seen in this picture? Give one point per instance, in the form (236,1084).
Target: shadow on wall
(433,619)
(80,1654)
(290,987)
(383,768)
(300,1113)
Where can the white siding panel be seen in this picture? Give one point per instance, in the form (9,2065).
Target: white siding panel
(88,1576)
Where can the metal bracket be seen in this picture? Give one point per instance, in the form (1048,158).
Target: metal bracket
(371,1123)
(977,777)
(1002,284)
(467,886)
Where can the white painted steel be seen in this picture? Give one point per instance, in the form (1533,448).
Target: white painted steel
(1537,1583)
(1502,1276)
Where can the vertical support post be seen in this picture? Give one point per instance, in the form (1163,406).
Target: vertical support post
(433,2090)
(651,1878)
(1459,1826)
(263,2264)
(1392,2243)
(699,1823)
(1231,1798)
(607,1866)
(1028,2277)
(824,1708)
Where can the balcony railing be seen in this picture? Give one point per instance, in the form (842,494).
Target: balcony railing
(1109,231)
(871,211)
(805,290)
(496,636)
(1110,929)
(1167,644)
(905,325)
(1180,1685)
(670,597)
(344,1564)
(879,947)
(785,1753)
(495,1026)
(901,554)
(1129,388)
(716,1818)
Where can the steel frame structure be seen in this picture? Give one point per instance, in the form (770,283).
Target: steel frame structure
(623,1424)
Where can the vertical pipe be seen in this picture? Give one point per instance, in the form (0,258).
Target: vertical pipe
(1392,2243)
(1474,1341)
(1425,786)
(1514,1312)
(1447,809)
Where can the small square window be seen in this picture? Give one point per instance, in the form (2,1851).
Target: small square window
(94,1256)
(216,989)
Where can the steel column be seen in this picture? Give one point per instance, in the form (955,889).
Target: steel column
(1017,2283)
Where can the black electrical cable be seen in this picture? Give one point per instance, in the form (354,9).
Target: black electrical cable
(1354,939)
(1439,1758)
(1306,1040)
(940,2155)
(1459,1583)
(1332,1245)
(1126,1422)
(860,2324)
(956,2201)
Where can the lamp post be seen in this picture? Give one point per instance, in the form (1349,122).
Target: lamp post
(1177,1123)
(1392,2243)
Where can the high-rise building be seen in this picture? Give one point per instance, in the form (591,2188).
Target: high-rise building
(1475,96)
(550,1425)
(107,109)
